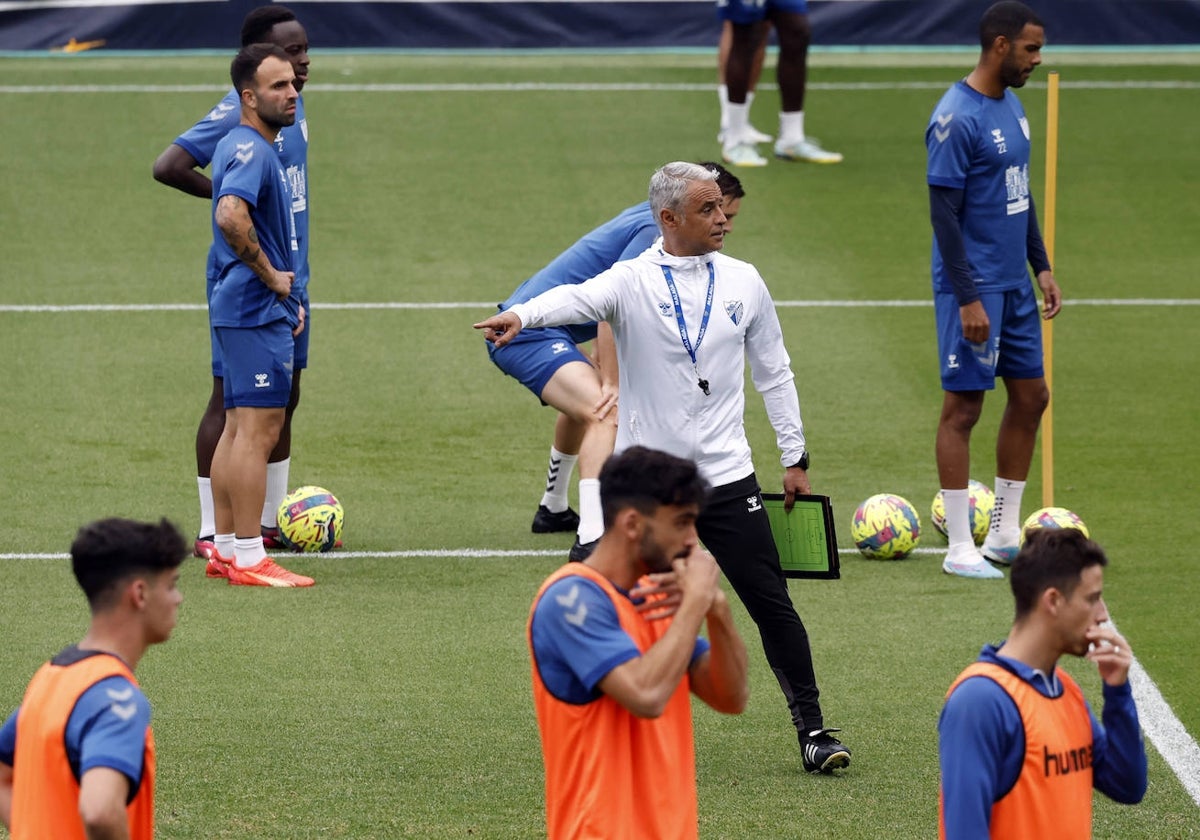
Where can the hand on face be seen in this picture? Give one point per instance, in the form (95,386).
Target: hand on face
(1111,653)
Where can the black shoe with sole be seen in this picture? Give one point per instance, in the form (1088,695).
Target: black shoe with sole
(546,521)
(582,551)
(822,753)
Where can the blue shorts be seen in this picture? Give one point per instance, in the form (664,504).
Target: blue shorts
(753,11)
(258,365)
(1013,349)
(535,355)
(299,356)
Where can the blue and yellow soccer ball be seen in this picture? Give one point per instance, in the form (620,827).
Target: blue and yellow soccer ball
(886,527)
(1054,517)
(310,519)
(982,500)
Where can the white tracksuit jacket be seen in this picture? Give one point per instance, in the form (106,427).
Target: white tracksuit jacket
(661,405)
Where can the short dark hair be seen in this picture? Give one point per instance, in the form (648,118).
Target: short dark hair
(1051,558)
(109,551)
(731,186)
(1006,18)
(259,23)
(646,479)
(245,64)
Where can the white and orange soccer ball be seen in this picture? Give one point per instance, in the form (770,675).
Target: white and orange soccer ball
(310,519)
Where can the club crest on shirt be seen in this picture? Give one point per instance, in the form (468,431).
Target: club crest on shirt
(664,308)
(735,311)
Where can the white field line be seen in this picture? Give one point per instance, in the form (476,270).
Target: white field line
(489,305)
(581,87)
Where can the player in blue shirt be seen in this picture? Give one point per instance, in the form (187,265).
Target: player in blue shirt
(997,713)
(179,166)
(584,390)
(985,232)
(254,311)
(81,741)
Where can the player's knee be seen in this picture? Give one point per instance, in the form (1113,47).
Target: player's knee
(793,31)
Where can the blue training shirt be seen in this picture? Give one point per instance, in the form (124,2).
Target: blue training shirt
(200,141)
(621,238)
(981,745)
(246,165)
(107,728)
(573,658)
(980,145)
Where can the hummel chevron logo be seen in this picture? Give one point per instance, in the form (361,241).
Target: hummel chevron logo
(245,152)
(124,712)
(568,601)
(120,696)
(943,129)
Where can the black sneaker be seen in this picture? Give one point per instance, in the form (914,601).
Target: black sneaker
(545,521)
(582,551)
(822,753)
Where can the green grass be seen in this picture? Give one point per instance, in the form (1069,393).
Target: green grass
(392,700)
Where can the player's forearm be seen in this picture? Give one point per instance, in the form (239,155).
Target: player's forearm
(233,220)
(728,689)
(655,676)
(176,168)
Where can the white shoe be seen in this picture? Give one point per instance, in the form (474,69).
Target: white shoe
(751,135)
(965,560)
(1002,548)
(806,150)
(743,154)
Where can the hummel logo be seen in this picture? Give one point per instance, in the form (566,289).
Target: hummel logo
(120,696)
(124,712)
(943,130)
(558,347)
(578,617)
(570,598)
(664,308)
(262,380)
(245,152)
(753,504)
(952,361)
(220,111)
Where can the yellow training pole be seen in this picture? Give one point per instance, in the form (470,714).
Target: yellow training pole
(1048,211)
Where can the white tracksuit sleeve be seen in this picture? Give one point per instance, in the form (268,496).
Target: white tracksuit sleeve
(592,300)
(771,371)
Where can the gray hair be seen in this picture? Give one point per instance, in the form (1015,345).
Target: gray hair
(669,185)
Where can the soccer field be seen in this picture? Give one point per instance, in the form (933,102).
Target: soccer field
(393,699)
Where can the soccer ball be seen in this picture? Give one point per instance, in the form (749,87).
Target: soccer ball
(1054,517)
(886,527)
(310,519)
(981,504)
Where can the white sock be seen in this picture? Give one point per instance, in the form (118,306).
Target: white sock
(739,119)
(225,545)
(723,98)
(591,518)
(558,479)
(1006,514)
(208,518)
(248,552)
(958,516)
(791,127)
(277,488)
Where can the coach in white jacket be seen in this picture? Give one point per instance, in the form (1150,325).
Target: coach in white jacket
(685,319)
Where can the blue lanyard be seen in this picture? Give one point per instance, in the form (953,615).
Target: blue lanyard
(683,332)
